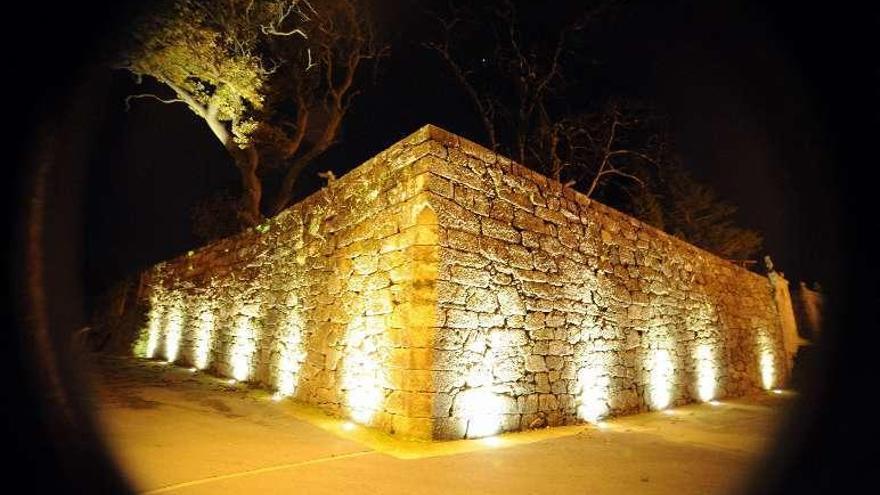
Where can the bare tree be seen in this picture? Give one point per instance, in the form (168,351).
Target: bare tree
(508,83)
(343,41)
(516,87)
(589,149)
(520,84)
(485,103)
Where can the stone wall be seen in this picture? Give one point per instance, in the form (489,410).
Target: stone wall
(808,309)
(552,303)
(791,341)
(442,291)
(327,302)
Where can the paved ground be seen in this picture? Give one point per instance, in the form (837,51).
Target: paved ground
(185,433)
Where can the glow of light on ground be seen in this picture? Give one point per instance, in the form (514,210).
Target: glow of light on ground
(661,378)
(492,441)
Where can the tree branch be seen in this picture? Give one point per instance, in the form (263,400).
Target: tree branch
(151,96)
(274,27)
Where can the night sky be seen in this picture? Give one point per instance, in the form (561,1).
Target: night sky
(734,77)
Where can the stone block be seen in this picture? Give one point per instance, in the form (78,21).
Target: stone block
(535,362)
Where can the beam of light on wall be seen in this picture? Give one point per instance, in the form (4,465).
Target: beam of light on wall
(766,360)
(292,353)
(661,378)
(768,369)
(483,410)
(707,379)
(243,348)
(204,338)
(480,374)
(154,327)
(594,383)
(362,374)
(173,332)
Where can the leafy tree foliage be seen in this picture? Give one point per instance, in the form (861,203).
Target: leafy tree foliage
(679,204)
(272,79)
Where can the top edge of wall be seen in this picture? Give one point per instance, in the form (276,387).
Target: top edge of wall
(431,132)
(471,148)
(421,135)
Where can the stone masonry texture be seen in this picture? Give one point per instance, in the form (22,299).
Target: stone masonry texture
(442,291)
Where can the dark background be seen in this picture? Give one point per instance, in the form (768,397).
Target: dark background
(775,105)
(742,102)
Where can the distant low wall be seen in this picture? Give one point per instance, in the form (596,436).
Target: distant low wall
(808,309)
(443,291)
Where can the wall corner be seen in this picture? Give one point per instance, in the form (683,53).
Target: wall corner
(782,297)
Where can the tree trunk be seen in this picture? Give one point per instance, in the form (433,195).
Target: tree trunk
(300,163)
(247,161)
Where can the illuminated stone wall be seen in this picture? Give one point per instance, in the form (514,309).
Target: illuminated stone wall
(791,341)
(441,291)
(330,302)
(552,303)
